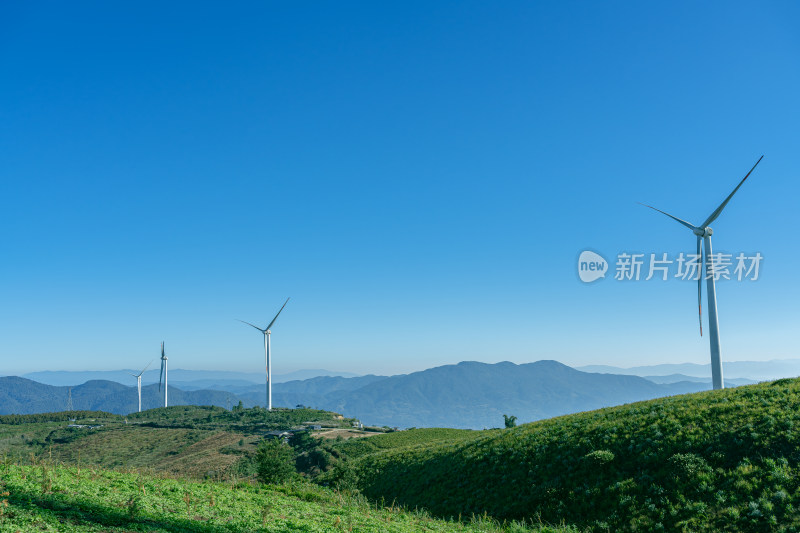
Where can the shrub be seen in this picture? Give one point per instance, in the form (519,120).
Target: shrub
(599,457)
(274,462)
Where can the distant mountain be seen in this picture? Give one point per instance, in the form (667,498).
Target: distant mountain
(470,394)
(204,378)
(467,395)
(752,370)
(23,396)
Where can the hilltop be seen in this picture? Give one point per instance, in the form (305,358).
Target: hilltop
(181,440)
(724,460)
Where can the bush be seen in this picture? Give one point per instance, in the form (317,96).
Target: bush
(599,457)
(345,477)
(314,461)
(274,462)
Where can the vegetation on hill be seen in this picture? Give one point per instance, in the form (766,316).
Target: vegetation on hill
(712,461)
(424,437)
(63,416)
(201,442)
(49,498)
(253,420)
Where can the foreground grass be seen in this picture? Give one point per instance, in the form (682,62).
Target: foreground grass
(725,460)
(47,498)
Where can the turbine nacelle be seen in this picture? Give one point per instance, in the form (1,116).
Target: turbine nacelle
(703,232)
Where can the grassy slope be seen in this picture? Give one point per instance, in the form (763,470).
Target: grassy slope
(43,498)
(712,461)
(191,441)
(354,448)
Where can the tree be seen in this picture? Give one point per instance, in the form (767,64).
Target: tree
(274,461)
(511,421)
(302,441)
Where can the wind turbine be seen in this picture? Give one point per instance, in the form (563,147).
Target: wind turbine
(163,373)
(266,331)
(139,383)
(703,233)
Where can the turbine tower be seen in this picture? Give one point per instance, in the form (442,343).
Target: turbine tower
(703,233)
(266,331)
(163,373)
(139,383)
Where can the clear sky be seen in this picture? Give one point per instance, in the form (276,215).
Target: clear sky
(419,177)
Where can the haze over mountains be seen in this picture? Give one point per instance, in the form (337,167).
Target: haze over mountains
(65,377)
(752,371)
(466,395)
(23,396)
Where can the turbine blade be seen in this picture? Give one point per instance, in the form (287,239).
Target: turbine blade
(713,216)
(279,312)
(145,368)
(161,375)
(670,216)
(699,285)
(249,324)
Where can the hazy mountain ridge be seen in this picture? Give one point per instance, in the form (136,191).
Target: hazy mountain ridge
(751,370)
(469,395)
(211,378)
(23,396)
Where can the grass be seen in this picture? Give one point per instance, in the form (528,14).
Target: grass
(354,448)
(70,499)
(193,441)
(724,460)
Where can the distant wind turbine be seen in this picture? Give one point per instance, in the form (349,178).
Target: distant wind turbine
(163,373)
(266,331)
(704,232)
(139,383)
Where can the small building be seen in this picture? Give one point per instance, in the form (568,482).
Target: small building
(283,435)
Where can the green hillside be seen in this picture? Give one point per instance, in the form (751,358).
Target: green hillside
(70,499)
(713,461)
(354,448)
(195,441)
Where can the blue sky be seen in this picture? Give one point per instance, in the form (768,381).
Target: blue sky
(419,177)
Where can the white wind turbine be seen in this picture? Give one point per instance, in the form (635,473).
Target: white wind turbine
(139,383)
(703,233)
(163,373)
(266,331)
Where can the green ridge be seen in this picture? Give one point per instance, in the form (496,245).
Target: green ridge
(713,461)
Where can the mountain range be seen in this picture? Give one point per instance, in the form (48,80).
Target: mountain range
(212,378)
(466,395)
(23,396)
(474,395)
(753,371)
